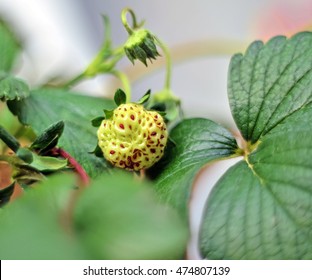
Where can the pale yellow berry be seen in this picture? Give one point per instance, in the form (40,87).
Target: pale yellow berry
(133,138)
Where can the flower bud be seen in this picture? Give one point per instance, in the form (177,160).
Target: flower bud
(141,45)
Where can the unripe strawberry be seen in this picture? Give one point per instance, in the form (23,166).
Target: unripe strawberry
(133,138)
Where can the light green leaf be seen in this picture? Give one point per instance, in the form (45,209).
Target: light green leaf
(116,218)
(269,83)
(119,218)
(262,208)
(198,142)
(145,97)
(12,88)
(47,106)
(36,226)
(45,163)
(9,48)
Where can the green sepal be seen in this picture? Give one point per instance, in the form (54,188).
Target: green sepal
(96,122)
(108,114)
(49,137)
(130,55)
(97,152)
(26,175)
(140,54)
(145,97)
(6,193)
(159,107)
(120,97)
(141,45)
(48,164)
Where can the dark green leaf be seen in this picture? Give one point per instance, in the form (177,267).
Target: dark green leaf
(96,122)
(12,88)
(9,48)
(261,208)
(270,82)
(145,97)
(119,218)
(37,225)
(5,194)
(198,141)
(47,106)
(49,137)
(120,97)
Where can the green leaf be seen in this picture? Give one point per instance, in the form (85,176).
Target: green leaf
(6,193)
(9,48)
(116,218)
(45,107)
(269,83)
(262,208)
(119,218)
(198,142)
(37,225)
(120,97)
(145,97)
(49,137)
(45,164)
(12,88)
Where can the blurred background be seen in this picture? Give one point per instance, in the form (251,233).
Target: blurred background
(60,38)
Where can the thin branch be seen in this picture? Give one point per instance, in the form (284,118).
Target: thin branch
(77,167)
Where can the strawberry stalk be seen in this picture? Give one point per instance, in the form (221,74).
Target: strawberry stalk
(84,178)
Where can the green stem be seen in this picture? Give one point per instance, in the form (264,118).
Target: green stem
(9,139)
(125,82)
(75,80)
(168,63)
(98,65)
(125,22)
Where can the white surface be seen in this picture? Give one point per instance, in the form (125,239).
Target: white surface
(205,182)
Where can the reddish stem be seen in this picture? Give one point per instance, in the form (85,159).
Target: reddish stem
(77,167)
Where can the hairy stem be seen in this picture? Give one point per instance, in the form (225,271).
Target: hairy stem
(77,167)
(168,63)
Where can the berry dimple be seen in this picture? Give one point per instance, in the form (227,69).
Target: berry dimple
(134,138)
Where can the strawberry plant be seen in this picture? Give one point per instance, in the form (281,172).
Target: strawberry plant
(111,178)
